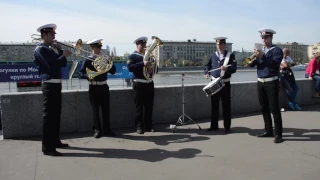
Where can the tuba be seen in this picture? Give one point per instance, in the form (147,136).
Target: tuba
(151,69)
(102,63)
(249,60)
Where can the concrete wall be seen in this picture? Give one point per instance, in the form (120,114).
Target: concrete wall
(22,112)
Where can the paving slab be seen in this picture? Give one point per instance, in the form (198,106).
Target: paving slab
(188,154)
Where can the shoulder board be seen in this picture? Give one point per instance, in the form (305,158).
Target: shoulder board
(138,54)
(37,47)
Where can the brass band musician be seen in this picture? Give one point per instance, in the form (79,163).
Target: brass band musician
(98,92)
(268,60)
(143,87)
(50,63)
(217,60)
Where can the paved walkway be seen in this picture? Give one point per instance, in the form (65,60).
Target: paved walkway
(189,154)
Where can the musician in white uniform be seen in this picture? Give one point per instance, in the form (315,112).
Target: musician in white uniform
(221,59)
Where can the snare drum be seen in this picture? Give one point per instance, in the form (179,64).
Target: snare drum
(214,86)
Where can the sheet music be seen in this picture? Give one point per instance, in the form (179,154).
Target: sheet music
(258,46)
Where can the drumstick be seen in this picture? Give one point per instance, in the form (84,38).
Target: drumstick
(218,68)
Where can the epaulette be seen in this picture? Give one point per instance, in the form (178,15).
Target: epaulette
(38,46)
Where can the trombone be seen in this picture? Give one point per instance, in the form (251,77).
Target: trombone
(76,47)
(100,60)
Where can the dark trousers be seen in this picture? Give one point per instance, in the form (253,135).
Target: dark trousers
(225,95)
(51,116)
(268,93)
(290,87)
(143,98)
(100,98)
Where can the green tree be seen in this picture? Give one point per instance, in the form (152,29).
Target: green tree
(204,60)
(116,58)
(300,60)
(180,62)
(187,63)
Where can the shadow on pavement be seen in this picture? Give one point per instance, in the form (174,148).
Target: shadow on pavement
(150,155)
(289,134)
(164,140)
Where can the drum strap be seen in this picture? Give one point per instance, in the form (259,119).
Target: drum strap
(225,63)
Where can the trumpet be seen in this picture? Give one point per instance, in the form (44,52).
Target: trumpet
(102,63)
(249,60)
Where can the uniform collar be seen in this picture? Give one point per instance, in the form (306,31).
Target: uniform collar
(92,56)
(137,53)
(225,53)
(42,44)
(264,48)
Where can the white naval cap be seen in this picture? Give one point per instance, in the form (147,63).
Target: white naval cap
(95,43)
(141,39)
(220,40)
(266,32)
(47,28)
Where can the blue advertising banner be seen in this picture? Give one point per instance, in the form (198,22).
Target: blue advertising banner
(24,72)
(18,72)
(29,72)
(121,72)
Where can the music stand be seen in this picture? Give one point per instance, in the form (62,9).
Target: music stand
(181,119)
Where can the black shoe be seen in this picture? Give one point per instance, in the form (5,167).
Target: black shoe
(278,139)
(110,134)
(62,145)
(53,153)
(213,129)
(227,131)
(266,134)
(140,131)
(97,134)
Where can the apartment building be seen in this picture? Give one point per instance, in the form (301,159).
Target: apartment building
(17,52)
(24,51)
(298,51)
(313,49)
(241,55)
(188,50)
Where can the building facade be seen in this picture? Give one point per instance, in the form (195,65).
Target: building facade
(313,49)
(17,52)
(24,51)
(298,51)
(186,50)
(241,55)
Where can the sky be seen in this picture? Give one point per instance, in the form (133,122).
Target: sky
(120,22)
